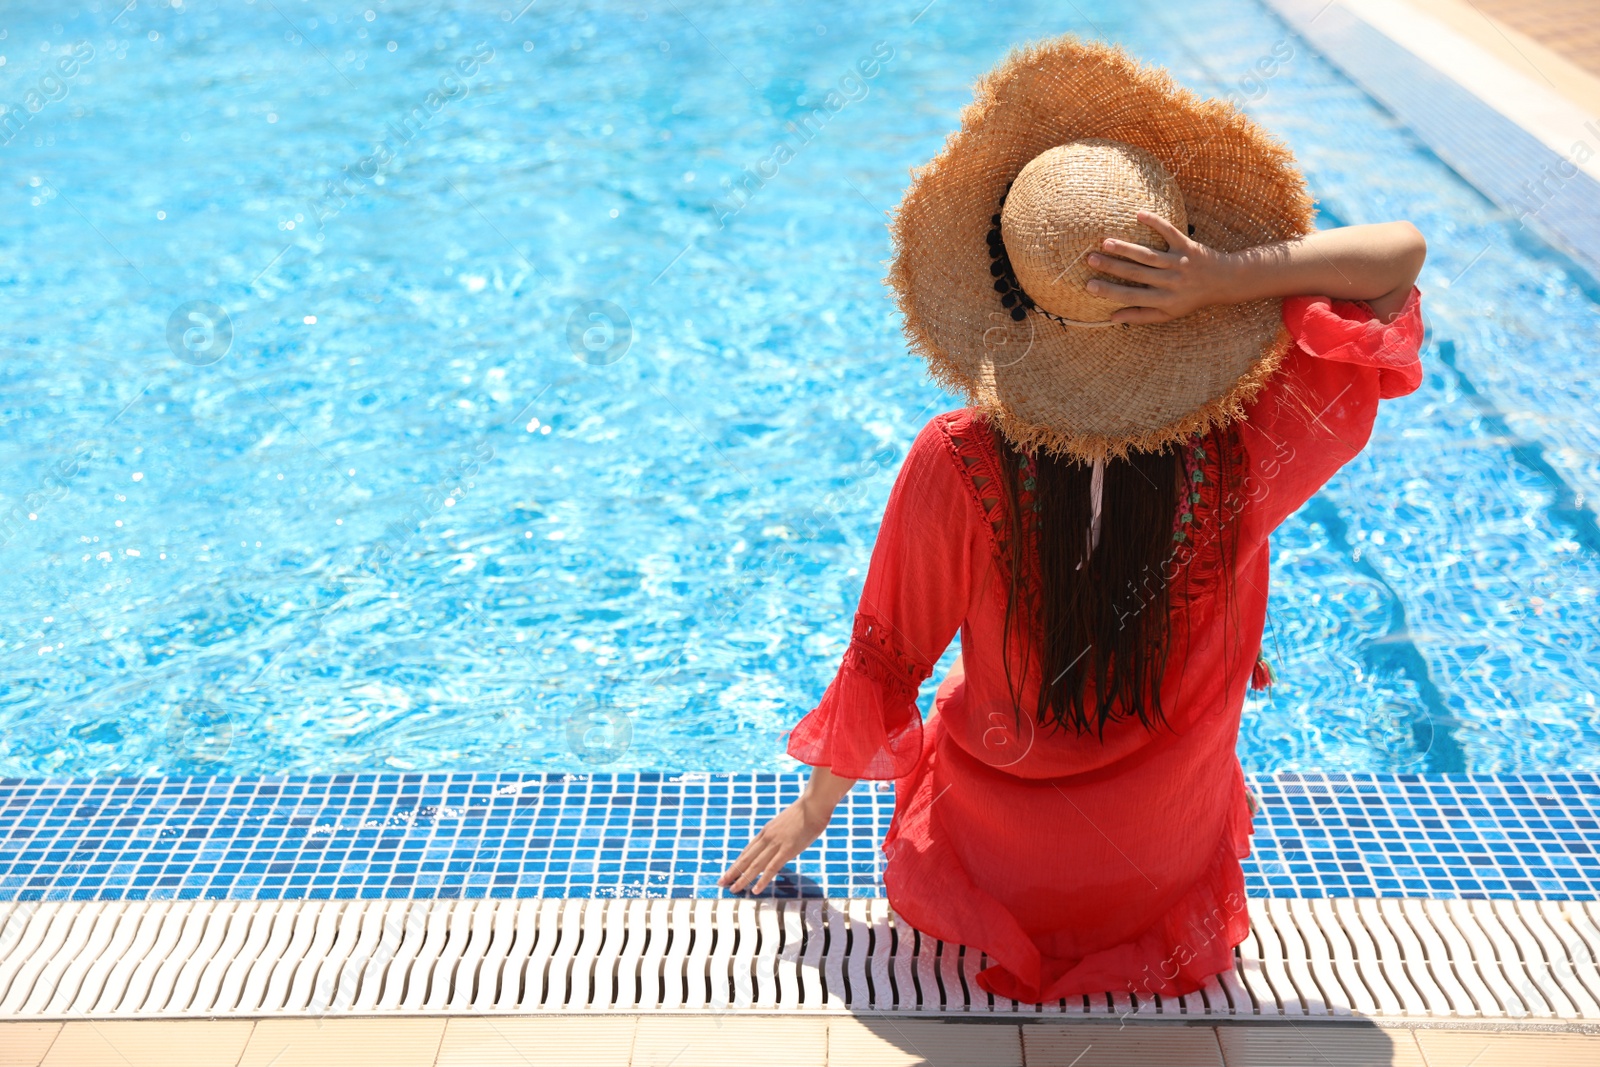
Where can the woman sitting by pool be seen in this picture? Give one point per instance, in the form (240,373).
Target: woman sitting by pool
(1162,362)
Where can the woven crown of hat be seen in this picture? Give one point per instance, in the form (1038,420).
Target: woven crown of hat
(1064,143)
(1069,199)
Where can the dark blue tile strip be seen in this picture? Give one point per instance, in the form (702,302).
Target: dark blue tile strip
(485,835)
(1503,161)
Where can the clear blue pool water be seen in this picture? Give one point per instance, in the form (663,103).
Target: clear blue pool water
(409,506)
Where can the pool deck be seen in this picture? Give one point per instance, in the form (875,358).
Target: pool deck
(1556,43)
(1514,116)
(774,1041)
(1421,59)
(1568,27)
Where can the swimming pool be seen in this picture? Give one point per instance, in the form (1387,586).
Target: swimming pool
(532,447)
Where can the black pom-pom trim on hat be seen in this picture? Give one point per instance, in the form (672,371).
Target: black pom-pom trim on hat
(1012,296)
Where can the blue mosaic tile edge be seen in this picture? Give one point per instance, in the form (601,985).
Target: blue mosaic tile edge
(671,835)
(1495,155)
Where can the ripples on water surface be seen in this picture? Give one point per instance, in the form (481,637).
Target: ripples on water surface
(400,525)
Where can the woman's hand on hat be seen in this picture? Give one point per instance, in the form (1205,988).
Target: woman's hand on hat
(1377,263)
(1170,284)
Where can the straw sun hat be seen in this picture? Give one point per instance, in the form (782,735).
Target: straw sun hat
(1063,143)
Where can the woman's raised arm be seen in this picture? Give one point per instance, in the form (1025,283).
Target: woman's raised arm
(1376,263)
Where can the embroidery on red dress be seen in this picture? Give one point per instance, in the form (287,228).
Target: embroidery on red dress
(1205,517)
(971,446)
(1198,525)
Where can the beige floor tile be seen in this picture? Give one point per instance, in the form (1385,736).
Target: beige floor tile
(854,1042)
(698,1041)
(1458,1048)
(1317,1045)
(24,1044)
(346,1042)
(1111,1045)
(518,1041)
(152,1042)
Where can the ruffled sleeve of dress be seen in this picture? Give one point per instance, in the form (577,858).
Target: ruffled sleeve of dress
(868,724)
(1316,412)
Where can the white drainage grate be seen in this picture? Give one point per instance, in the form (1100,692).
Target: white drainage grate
(1304,958)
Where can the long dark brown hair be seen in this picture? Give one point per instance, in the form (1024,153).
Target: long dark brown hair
(1100,624)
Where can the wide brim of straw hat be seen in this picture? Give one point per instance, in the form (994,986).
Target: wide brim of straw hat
(1092,393)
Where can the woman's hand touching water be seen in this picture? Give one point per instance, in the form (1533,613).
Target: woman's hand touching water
(793,831)
(1376,263)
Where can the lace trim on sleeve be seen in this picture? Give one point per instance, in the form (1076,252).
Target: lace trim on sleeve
(875,653)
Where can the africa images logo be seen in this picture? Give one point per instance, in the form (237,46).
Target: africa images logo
(199,333)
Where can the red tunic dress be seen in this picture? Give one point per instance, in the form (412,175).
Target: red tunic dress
(1081,865)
